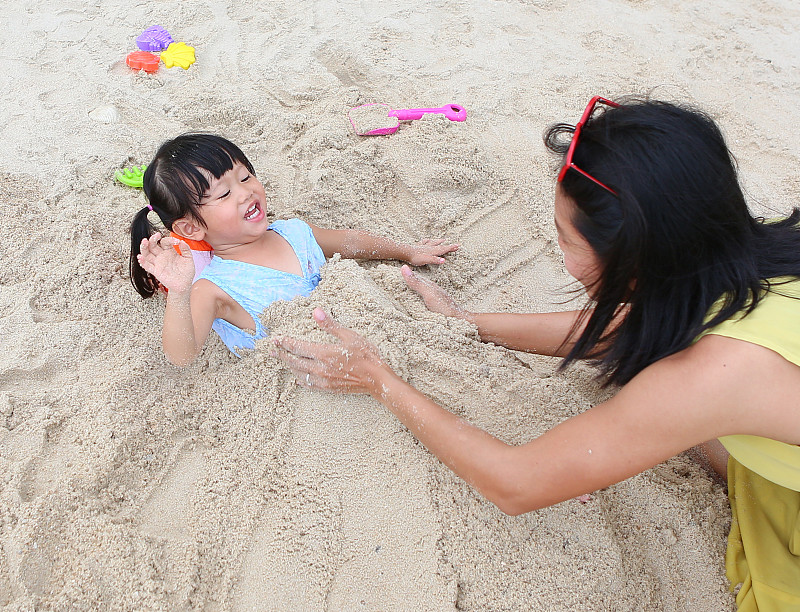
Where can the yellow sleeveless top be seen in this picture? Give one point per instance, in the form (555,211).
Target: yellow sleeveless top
(774,324)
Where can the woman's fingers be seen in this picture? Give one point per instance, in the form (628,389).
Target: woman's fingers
(414,282)
(436,299)
(312,381)
(298,348)
(349,366)
(324,367)
(333,327)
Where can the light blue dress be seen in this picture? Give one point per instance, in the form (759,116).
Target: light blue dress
(255,287)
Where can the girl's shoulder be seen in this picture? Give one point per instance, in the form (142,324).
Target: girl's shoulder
(207,295)
(290,222)
(296,231)
(292,225)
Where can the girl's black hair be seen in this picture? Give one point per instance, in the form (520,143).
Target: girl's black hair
(676,238)
(174,184)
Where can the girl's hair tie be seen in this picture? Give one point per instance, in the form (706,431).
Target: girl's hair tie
(150,206)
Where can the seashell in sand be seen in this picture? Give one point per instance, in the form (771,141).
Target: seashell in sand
(105,114)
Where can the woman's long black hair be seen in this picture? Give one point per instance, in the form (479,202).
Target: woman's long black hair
(174,184)
(676,238)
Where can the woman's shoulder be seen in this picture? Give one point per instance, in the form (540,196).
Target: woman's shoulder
(719,386)
(771,323)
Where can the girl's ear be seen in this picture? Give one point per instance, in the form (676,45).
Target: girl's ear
(189,228)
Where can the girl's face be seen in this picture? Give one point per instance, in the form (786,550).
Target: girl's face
(234,208)
(580,259)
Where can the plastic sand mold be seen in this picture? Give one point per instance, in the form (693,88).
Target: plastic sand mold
(178,54)
(132,177)
(142,60)
(154,38)
(379,119)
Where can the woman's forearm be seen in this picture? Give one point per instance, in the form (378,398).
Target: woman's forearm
(479,458)
(542,333)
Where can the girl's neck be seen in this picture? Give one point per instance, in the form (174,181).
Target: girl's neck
(253,251)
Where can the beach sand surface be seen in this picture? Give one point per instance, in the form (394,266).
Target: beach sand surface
(130,484)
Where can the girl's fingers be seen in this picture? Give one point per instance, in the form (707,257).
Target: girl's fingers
(170,241)
(184,248)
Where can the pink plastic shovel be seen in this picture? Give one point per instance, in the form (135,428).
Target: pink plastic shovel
(379,119)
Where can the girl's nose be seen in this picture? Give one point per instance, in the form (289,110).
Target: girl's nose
(244,193)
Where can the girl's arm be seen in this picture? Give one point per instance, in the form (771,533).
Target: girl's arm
(693,396)
(356,244)
(190,308)
(187,322)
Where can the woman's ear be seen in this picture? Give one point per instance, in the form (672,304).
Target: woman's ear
(189,228)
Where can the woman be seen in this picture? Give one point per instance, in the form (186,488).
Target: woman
(694,312)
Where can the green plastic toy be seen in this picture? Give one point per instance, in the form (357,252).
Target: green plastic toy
(132,177)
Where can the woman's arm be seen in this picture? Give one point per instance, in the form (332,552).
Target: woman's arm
(356,244)
(545,333)
(542,333)
(669,407)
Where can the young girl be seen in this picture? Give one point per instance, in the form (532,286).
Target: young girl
(204,190)
(694,312)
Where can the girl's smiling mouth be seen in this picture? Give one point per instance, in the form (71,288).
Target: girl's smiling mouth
(253,213)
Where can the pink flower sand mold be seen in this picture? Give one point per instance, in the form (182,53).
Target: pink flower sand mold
(379,119)
(154,38)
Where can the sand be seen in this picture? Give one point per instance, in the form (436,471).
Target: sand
(130,484)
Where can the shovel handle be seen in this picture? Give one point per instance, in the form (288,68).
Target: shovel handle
(454,112)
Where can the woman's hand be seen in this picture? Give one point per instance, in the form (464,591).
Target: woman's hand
(430,251)
(353,366)
(157,256)
(436,299)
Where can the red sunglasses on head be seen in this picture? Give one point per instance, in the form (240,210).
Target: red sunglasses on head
(568,163)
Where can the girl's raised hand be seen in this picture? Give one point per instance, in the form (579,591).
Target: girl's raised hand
(430,251)
(349,367)
(436,299)
(158,256)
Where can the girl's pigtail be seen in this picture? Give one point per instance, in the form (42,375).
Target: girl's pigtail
(141,228)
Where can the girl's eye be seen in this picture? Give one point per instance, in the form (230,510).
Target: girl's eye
(245,179)
(225,195)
